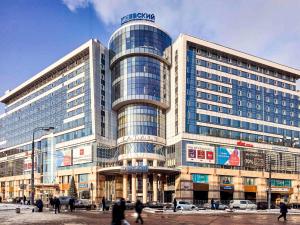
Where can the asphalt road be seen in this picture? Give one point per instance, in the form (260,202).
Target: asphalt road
(93,217)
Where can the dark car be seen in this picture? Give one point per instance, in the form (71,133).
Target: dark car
(154,205)
(264,205)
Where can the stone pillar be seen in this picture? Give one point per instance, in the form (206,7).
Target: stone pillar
(238,193)
(125,183)
(262,186)
(214,187)
(133,187)
(145,190)
(155,187)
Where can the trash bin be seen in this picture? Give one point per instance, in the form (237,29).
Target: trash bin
(18,210)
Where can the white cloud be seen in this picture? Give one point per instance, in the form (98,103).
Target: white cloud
(266,28)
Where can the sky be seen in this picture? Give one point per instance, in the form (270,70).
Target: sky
(36,33)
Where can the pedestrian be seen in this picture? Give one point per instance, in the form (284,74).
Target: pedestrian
(116,213)
(56,205)
(139,209)
(51,201)
(212,203)
(103,204)
(283,211)
(72,204)
(174,204)
(122,209)
(40,205)
(24,199)
(0,199)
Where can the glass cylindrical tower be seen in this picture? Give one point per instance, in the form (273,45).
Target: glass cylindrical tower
(140,60)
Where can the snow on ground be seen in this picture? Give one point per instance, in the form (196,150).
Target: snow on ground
(8,215)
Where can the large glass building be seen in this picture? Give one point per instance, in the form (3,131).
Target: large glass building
(152,119)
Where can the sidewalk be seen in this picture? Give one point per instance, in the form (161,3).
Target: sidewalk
(227,211)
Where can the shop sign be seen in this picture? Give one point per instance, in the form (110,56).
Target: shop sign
(277,189)
(134,169)
(254,160)
(82,155)
(200,178)
(138,16)
(228,156)
(227,188)
(279,148)
(200,153)
(244,144)
(64,158)
(185,185)
(83,185)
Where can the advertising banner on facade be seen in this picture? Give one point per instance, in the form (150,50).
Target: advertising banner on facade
(27,166)
(228,156)
(64,158)
(253,160)
(200,153)
(82,155)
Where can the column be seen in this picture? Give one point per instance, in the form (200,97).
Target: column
(125,182)
(133,187)
(214,187)
(155,187)
(145,191)
(238,188)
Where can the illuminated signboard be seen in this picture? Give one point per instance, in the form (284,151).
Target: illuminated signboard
(200,153)
(254,160)
(228,156)
(134,169)
(138,16)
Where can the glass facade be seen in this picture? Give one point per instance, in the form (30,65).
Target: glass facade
(138,119)
(227,96)
(140,57)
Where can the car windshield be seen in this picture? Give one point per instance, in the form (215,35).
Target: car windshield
(243,202)
(249,202)
(182,202)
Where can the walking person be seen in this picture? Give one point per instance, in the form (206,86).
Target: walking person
(174,204)
(139,209)
(103,204)
(51,201)
(116,213)
(56,205)
(283,211)
(72,204)
(24,199)
(212,202)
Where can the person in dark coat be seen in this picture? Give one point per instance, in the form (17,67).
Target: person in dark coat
(24,199)
(56,205)
(122,208)
(51,201)
(116,213)
(103,204)
(72,204)
(174,204)
(283,210)
(212,203)
(40,205)
(139,209)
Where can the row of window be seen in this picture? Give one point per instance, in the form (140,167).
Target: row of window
(242,64)
(244,74)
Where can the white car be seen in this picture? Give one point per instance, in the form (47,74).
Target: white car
(182,205)
(242,204)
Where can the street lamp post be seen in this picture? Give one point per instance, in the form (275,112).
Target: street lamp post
(32,159)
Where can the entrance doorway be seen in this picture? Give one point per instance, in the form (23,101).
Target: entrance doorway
(168,196)
(226,195)
(250,196)
(200,197)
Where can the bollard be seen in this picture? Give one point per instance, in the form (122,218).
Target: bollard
(18,210)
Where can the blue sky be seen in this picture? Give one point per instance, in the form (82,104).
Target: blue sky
(35,33)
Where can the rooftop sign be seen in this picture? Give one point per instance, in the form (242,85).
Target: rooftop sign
(138,16)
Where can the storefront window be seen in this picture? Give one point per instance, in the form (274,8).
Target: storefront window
(249,181)
(225,180)
(200,178)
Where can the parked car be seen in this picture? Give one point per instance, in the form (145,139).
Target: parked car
(154,205)
(83,203)
(264,205)
(130,205)
(182,205)
(64,200)
(242,204)
(218,205)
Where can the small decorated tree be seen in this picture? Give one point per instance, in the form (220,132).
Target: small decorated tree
(72,189)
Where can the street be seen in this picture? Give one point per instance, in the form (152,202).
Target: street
(96,217)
